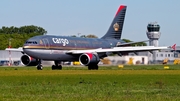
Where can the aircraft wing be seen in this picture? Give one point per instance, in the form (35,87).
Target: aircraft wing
(100,50)
(118,49)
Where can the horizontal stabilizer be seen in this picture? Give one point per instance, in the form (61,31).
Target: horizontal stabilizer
(15,49)
(129,43)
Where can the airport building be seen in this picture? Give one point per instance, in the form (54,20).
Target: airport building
(10,58)
(153,33)
(13,58)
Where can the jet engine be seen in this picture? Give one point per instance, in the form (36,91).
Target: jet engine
(29,61)
(89,58)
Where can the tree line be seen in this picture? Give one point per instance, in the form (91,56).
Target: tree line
(23,30)
(16,36)
(135,44)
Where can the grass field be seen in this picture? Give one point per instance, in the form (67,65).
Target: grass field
(109,83)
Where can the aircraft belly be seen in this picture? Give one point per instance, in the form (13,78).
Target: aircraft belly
(50,54)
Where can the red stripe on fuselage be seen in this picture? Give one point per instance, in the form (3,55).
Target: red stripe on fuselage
(120,8)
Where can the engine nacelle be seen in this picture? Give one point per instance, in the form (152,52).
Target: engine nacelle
(89,58)
(29,61)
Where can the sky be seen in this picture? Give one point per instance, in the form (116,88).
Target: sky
(73,17)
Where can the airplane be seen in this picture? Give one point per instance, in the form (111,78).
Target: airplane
(88,51)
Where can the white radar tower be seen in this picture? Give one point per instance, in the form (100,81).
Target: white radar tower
(153,33)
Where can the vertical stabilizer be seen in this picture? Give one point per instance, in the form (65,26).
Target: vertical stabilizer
(115,30)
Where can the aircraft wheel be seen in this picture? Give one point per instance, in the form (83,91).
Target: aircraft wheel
(39,67)
(56,67)
(89,67)
(93,67)
(96,67)
(59,67)
(53,67)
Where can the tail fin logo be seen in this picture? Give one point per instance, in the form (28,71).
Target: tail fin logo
(116,26)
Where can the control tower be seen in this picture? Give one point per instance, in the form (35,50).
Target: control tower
(153,33)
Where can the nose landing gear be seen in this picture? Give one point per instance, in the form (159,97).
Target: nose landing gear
(39,67)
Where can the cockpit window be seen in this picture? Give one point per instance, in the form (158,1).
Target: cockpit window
(31,42)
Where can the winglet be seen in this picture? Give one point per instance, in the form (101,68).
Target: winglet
(173,46)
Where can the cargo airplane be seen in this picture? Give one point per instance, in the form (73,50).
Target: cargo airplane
(88,51)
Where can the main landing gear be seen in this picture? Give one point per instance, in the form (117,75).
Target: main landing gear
(57,66)
(39,66)
(93,67)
